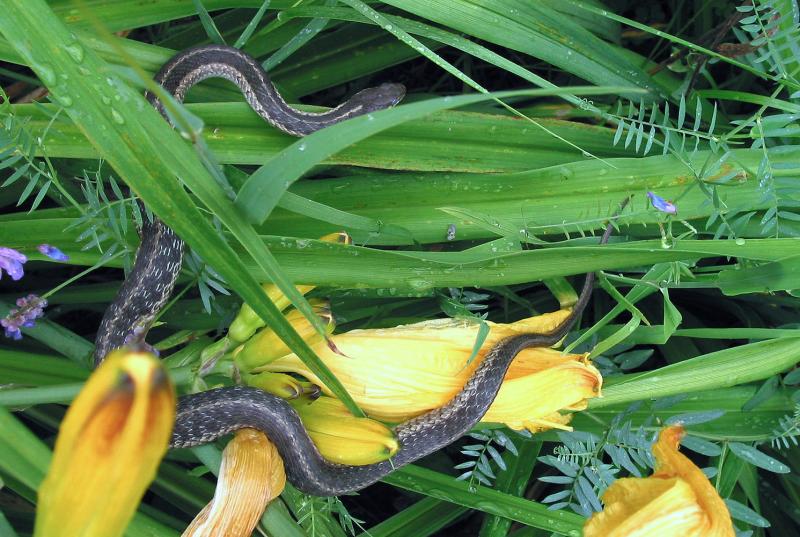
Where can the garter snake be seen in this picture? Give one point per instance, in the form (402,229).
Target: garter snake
(205,416)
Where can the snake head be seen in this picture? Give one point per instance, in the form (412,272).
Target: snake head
(379,97)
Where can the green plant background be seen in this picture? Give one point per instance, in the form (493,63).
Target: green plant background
(549,161)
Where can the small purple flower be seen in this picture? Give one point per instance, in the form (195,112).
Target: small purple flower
(31,308)
(11,261)
(52,252)
(661,204)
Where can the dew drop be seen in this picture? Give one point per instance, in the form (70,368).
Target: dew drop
(117,117)
(75,51)
(301,147)
(65,100)
(105,100)
(740,241)
(46,73)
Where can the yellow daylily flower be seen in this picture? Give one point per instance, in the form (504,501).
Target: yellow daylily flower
(251,476)
(398,373)
(677,499)
(344,438)
(108,448)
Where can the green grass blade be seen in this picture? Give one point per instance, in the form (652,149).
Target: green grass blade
(445,487)
(729,367)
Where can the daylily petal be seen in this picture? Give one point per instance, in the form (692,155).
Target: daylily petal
(281,384)
(108,448)
(251,475)
(677,499)
(644,507)
(567,380)
(344,438)
(247,321)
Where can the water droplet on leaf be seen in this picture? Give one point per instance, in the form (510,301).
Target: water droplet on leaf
(75,51)
(117,117)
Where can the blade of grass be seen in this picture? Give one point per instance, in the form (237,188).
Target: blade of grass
(26,458)
(445,487)
(729,367)
(208,23)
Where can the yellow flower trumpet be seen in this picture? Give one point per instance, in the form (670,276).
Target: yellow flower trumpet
(677,499)
(266,346)
(108,448)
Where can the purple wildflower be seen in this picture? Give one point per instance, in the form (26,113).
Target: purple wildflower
(661,204)
(52,252)
(31,308)
(11,261)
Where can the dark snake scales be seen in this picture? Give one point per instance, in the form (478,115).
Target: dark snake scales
(203,417)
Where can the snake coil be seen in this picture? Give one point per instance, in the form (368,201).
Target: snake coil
(205,416)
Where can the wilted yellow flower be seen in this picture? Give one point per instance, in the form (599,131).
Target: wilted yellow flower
(251,475)
(344,438)
(677,499)
(108,448)
(398,373)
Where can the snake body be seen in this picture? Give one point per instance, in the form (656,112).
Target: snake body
(203,417)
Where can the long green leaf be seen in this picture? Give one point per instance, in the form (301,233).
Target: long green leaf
(737,365)
(445,487)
